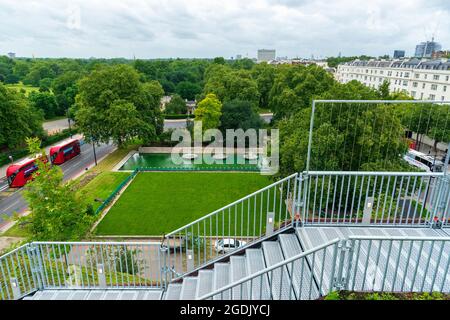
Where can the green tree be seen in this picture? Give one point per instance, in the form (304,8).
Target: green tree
(46,102)
(188,90)
(109,91)
(209,111)
(18,118)
(176,105)
(238,114)
(345,136)
(55,213)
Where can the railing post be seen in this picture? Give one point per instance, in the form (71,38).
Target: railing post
(36,268)
(270,223)
(15,288)
(165,269)
(101,275)
(443,198)
(190,259)
(344,248)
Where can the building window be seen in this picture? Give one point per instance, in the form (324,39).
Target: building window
(423,85)
(425,76)
(413,94)
(417,75)
(446,78)
(415,84)
(405,83)
(436,77)
(434,87)
(432,96)
(442,98)
(406,74)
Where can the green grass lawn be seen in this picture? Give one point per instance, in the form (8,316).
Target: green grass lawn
(19,86)
(160,202)
(101,187)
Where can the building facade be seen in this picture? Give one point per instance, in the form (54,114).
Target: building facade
(266,54)
(399,54)
(423,80)
(426,49)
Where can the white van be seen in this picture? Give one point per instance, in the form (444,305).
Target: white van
(423,161)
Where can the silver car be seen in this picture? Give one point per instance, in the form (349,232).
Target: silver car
(228,244)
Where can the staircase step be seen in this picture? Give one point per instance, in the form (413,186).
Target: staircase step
(259,289)
(299,270)
(238,270)
(205,282)
(128,295)
(188,288)
(173,291)
(221,279)
(152,295)
(79,295)
(279,278)
(62,295)
(96,295)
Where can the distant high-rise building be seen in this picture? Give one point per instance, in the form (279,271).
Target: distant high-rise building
(399,54)
(12,55)
(266,54)
(426,49)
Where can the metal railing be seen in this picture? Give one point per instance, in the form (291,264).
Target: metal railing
(245,220)
(117,190)
(81,265)
(374,198)
(293,279)
(397,264)
(369,264)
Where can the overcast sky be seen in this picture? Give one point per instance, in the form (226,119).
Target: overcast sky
(197,28)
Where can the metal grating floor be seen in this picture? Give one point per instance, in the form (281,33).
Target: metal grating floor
(402,271)
(108,294)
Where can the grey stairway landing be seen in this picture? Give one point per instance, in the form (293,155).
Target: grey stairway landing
(282,283)
(100,294)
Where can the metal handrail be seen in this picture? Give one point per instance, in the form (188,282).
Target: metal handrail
(231,204)
(269,269)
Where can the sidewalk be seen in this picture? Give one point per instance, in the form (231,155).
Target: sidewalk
(47,150)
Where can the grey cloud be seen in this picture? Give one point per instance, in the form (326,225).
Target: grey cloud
(202,28)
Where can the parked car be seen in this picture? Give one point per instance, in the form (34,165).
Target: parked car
(228,244)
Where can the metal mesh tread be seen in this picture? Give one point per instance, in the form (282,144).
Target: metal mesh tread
(188,288)
(279,278)
(238,270)
(205,282)
(299,270)
(221,279)
(173,291)
(259,289)
(106,294)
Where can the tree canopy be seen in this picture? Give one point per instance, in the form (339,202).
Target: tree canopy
(114,93)
(18,118)
(209,111)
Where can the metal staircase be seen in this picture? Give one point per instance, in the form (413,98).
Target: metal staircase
(257,258)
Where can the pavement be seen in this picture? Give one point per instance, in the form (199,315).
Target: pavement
(56,125)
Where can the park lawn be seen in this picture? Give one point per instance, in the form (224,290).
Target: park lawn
(160,202)
(20,85)
(101,187)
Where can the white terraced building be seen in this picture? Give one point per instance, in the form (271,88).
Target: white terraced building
(422,79)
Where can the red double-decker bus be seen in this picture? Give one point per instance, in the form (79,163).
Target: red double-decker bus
(19,173)
(66,151)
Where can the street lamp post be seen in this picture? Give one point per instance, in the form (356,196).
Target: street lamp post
(95,155)
(11,158)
